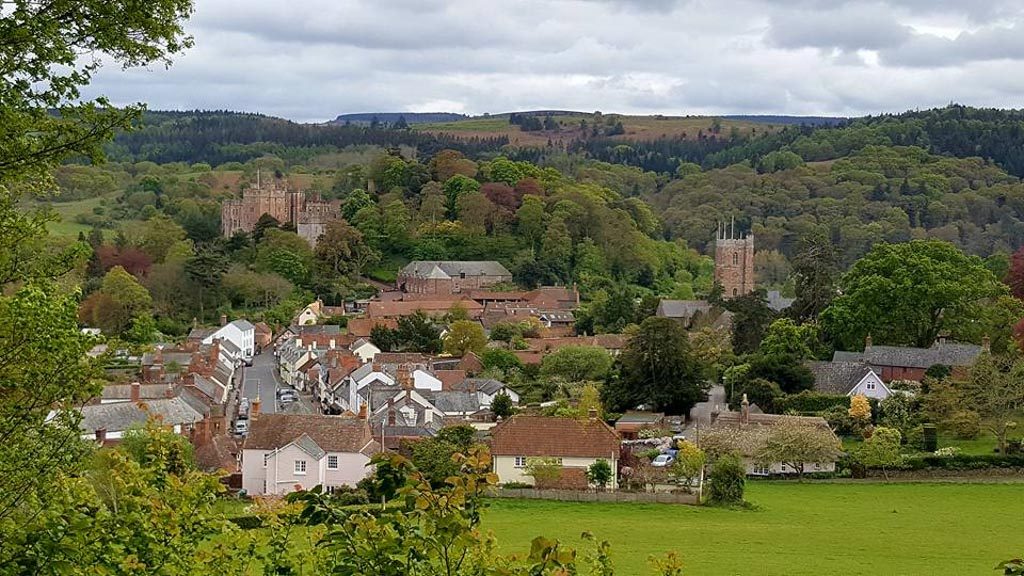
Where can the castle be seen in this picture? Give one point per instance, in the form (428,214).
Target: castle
(309,215)
(734,262)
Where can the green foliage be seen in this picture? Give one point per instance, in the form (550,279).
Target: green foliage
(657,368)
(599,473)
(577,363)
(786,338)
(689,464)
(465,336)
(787,371)
(796,443)
(501,405)
(966,424)
(881,450)
(727,481)
(920,287)
(546,472)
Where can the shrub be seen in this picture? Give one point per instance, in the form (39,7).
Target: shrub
(647,433)
(346,496)
(966,424)
(650,454)
(247,522)
(599,473)
(948,451)
(516,485)
(963,462)
(727,481)
(546,472)
(838,419)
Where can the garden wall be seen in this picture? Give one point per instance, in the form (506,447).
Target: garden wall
(593,496)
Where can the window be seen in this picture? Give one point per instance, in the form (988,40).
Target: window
(462,275)
(332,462)
(871,385)
(760,470)
(817,466)
(735,259)
(264,486)
(735,291)
(266,457)
(520,462)
(300,466)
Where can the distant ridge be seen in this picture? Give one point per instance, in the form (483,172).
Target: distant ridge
(788,120)
(392,117)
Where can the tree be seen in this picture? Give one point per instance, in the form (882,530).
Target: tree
(546,472)
(689,464)
(501,405)
(881,450)
(117,303)
(416,333)
(727,480)
(433,457)
(860,411)
(796,443)
(599,473)
(786,338)
(577,363)
(497,358)
(994,389)
(919,287)
(465,336)
(158,235)
(342,250)
(530,220)
(205,270)
(656,368)
(751,317)
(454,188)
(788,372)
(1015,277)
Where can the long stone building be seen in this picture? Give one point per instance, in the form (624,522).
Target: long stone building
(288,206)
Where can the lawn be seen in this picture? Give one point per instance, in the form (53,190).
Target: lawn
(814,528)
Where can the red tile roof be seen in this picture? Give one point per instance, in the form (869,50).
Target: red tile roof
(429,307)
(554,437)
(331,433)
(362,327)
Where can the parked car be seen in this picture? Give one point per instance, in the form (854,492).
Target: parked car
(663,460)
(247,360)
(241,427)
(286,392)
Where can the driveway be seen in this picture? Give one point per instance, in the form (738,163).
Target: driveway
(701,412)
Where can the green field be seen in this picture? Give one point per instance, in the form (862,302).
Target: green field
(818,529)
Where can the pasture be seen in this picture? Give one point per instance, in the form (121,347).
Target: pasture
(793,529)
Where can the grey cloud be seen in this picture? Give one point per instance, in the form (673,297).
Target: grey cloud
(926,50)
(847,28)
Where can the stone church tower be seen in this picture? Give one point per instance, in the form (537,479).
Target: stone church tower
(734,262)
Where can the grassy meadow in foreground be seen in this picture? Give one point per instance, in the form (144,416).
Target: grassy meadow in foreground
(870,529)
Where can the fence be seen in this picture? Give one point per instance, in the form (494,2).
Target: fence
(592,496)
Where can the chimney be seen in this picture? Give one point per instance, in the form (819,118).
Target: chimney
(330,344)
(214,353)
(169,392)
(136,392)
(254,409)
(404,377)
(592,414)
(223,319)
(195,323)
(715,413)
(745,410)
(362,411)
(986,344)
(298,342)
(391,412)
(158,355)
(867,342)
(101,435)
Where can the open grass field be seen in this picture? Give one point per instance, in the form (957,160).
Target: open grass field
(638,128)
(813,529)
(66,226)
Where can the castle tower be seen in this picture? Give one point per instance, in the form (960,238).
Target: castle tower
(734,261)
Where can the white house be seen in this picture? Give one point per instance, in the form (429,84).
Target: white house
(241,333)
(487,388)
(849,379)
(364,349)
(575,444)
(289,452)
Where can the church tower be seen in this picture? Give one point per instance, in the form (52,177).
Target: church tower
(734,261)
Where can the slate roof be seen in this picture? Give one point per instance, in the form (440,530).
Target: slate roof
(243,325)
(120,416)
(641,418)
(837,377)
(488,386)
(442,269)
(726,419)
(606,341)
(326,329)
(124,391)
(554,437)
(309,446)
(682,308)
(452,402)
(181,358)
(329,433)
(200,333)
(945,353)
(229,347)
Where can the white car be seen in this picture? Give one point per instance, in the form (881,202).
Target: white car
(663,460)
(242,427)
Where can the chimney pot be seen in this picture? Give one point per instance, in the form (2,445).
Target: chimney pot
(223,319)
(101,435)
(745,410)
(136,392)
(362,411)
(592,414)
(867,342)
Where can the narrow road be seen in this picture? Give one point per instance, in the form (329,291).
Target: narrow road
(261,380)
(702,411)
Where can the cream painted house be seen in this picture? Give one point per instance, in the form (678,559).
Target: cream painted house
(289,452)
(575,444)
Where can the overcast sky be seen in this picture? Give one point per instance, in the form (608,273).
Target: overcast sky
(310,60)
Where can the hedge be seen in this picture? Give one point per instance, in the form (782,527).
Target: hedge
(964,462)
(809,401)
(247,522)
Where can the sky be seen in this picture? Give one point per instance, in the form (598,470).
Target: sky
(310,60)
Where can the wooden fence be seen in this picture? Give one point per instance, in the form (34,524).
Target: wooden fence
(594,496)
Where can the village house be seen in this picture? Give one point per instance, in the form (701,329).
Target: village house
(612,343)
(432,308)
(752,426)
(907,363)
(107,423)
(631,423)
(450,277)
(288,452)
(848,379)
(574,444)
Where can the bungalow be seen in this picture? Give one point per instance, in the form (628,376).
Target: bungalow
(848,379)
(574,444)
(289,452)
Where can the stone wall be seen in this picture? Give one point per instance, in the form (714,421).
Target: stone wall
(596,496)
